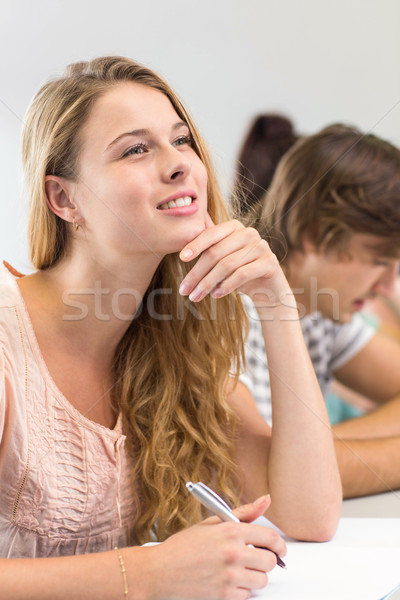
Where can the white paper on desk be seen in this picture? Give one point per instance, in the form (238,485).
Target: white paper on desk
(362,562)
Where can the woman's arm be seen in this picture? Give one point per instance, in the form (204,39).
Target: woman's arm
(295,461)
(300,469)
(309,495)
(210,560)
(75,577)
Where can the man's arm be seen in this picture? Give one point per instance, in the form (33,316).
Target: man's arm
(368,447)
(383,422)
(368,466)
(375,370)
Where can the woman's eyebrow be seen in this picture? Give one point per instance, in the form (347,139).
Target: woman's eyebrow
(143,132)
(134,133)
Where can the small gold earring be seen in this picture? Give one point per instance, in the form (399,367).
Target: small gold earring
(75,225)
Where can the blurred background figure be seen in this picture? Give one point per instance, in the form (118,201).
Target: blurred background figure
(267,140)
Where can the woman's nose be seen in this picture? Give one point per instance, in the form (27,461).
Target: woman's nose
(176,166)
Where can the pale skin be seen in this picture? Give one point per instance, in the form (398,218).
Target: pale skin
(367,447)
(135,156)
(301,423)
(222,566)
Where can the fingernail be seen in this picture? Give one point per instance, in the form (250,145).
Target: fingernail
(218,292)
(186,253)
(184,288)
(196,294)
(262,499)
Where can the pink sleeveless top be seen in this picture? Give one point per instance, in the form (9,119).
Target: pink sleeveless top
(64,485)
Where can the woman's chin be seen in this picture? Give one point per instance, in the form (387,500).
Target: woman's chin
(185,239)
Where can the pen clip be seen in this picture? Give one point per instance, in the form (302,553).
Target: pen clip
(217,498)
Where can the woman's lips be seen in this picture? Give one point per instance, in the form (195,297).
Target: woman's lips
(177,208)
(176,203)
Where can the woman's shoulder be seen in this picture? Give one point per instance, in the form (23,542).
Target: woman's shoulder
(9,302)
(8,285)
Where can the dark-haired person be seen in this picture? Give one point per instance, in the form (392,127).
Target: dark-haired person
(267,140)
(332,217)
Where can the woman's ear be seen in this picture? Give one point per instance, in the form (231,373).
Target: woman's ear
(58,192)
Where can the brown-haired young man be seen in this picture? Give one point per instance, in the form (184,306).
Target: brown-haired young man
(332,217)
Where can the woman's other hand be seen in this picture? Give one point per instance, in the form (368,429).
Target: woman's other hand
(217,560)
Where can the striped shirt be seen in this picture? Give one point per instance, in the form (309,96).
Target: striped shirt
(330,345)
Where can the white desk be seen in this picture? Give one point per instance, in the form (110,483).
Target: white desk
(377,506)
(362,562)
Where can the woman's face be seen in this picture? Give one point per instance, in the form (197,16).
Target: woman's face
(141,186)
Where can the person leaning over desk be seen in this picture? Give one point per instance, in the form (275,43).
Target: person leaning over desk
(108,408)
(332,217)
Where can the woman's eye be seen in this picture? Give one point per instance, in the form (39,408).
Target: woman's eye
(184,139)
(137,149)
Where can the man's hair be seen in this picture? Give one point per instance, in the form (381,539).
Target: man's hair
(329,186)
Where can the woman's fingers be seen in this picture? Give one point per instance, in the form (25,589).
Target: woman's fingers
(251,511)
(215,266)
(260,267)
(208,222)
(219,560)
(251,547)
(264,538)
(212,234)
(231,255)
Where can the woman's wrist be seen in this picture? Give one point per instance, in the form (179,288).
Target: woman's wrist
(142,572)
(271,308)
(123,572)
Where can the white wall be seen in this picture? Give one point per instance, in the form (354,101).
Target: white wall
(316,60)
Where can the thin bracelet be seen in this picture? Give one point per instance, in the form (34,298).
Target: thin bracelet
(123,571)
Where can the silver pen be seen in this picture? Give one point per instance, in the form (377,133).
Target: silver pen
(208,498)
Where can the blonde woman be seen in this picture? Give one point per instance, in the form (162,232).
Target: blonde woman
(116,388)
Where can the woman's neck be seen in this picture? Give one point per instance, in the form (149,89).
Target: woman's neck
(89,304)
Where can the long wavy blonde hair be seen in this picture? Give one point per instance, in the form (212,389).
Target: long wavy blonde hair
(170,375)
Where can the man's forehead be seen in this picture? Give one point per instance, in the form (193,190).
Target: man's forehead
(376,247)
(382,247)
